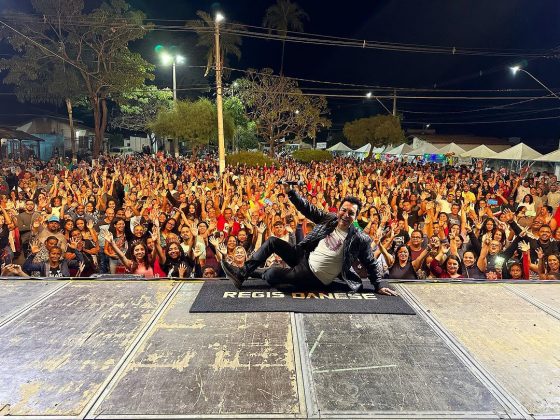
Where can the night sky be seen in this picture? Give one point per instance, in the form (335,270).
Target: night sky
(503,25)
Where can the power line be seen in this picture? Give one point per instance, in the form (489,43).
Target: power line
(317,39)
(485,122)
(476,110)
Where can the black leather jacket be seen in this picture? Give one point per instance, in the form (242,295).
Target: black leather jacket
(357,245)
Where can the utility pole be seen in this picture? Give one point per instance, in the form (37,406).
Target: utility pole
(219,105)
(175,141)
(394,103)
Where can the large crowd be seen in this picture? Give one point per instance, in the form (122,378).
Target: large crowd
(158,216)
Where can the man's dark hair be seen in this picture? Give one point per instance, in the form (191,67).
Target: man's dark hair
(353,200)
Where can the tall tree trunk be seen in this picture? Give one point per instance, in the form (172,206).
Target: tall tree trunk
(96,126)
(282,60)
(103,128)
(72,132)
(100,123)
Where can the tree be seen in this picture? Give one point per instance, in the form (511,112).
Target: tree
(139,108)
(282,17)
(52,82)
(230,43)
(95,44)
(279,108)
(192,121)
(246,137)
(379,130)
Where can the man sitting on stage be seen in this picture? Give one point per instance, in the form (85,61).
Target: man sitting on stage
(327,251)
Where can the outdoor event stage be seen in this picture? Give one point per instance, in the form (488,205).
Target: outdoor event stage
(131,349)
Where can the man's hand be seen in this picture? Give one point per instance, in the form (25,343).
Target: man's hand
(386,291)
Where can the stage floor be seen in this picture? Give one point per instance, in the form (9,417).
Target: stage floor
(131,349)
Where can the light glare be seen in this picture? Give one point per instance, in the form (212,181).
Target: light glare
(166,58)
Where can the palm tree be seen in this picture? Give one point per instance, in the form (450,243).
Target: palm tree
(282,17)
(230,43)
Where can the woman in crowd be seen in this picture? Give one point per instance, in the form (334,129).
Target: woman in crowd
(67,228)
(137,259)
(469,266)
(450,269)
(549,266)
(117,229)
(172,259)
(529,205)
(403,267)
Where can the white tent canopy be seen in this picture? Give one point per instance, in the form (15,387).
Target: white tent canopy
(479,152)
(553,157)
(518,152)
(402,149)
(339,147)
(379,149)
(362,152)
(452,148)
(426,148)
(366,148)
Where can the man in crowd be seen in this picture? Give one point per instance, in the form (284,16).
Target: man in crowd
(324,254)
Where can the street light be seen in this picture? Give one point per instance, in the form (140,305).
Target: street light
(368,95)
(166,59)
(516,69)
(172,58)
(219,106)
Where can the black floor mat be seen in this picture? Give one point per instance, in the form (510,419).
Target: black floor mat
(258,296)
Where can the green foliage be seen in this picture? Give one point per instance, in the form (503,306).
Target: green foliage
(192,121)
(139,107)
(250,159)
(279,109)
(379,130)
(246,137)
(93,47)
(235,107)
(311,155)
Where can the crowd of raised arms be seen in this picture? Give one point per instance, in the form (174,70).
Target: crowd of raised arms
(175,217)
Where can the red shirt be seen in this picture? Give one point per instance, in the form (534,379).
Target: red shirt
(221,221)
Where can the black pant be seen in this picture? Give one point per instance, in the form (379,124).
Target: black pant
(298,273)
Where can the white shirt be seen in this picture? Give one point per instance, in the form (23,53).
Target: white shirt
(326,260)
(521,193)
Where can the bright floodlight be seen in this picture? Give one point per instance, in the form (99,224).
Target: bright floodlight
(297,111)
(515,69)
(427,125)
(166,58)
(368,95)
(180,59)
(219,17)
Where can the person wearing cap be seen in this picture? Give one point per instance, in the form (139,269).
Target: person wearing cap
(52,229)
(326,253)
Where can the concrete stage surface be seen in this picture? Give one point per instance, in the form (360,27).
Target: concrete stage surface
(131,349)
